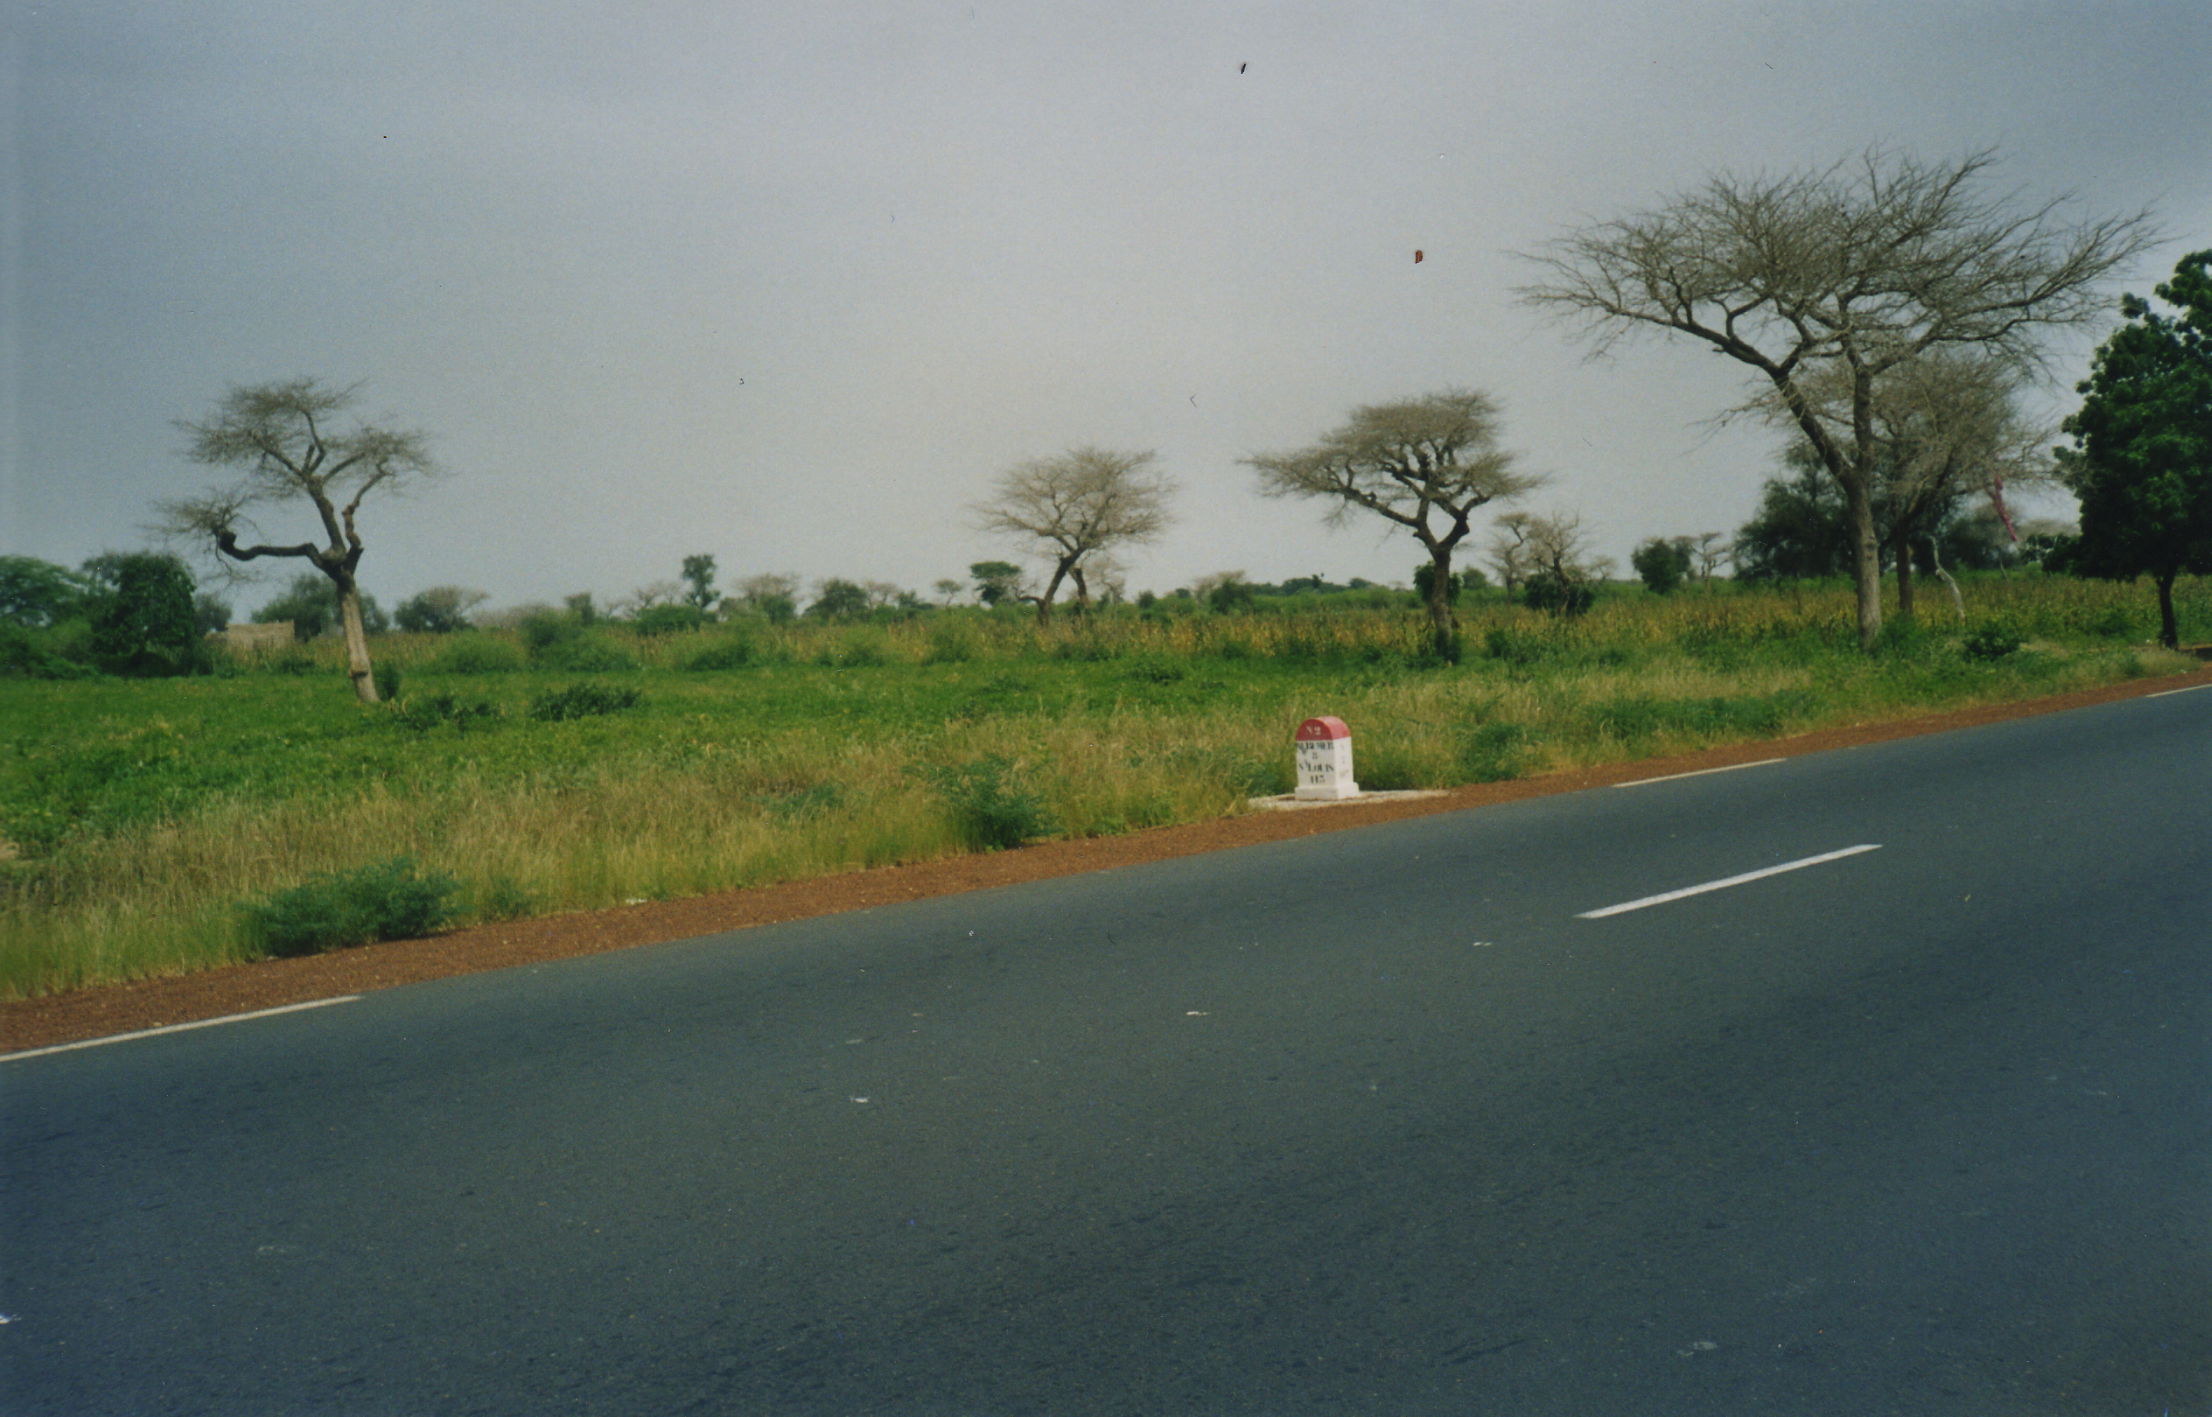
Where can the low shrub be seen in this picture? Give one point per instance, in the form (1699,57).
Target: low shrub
(1989,641)
(992,812)
(667,619)
(475,654)
(387,901)
(386,678)
(445,711)
(585,700)
(732,651)
(588,653)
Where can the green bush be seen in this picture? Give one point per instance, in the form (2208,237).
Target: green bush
(992,812)
(585,700)
(43,654)
(1989,641)
(731,651)
(1547,591)
(475,654)
(445,711)
(591,653)
(144,627)
(547,628)
(667,619)
(386,677)
(388,901)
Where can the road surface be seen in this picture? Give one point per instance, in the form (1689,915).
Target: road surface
(1414,1119)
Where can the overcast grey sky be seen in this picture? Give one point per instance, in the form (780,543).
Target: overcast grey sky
(790,283)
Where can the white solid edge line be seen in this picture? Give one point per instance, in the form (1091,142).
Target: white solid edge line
(2164,693)
(1624,908)
(176,1028)
(1701,772)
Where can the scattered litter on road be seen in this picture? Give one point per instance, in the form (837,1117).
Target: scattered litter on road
(1196,1013)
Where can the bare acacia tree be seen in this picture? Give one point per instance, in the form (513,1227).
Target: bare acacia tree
(1509,549)
(1946,427)
(1847,272)
(1426,463)
(1072,508)
(280,437)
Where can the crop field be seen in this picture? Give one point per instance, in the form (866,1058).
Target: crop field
(139,820)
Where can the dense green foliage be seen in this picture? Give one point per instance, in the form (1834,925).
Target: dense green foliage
(387,901)
(2142,460)
(1661,564)
(310,602)
(35,594)
(144,625)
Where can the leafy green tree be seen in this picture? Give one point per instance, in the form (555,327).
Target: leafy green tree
(996,582)
(667,619)
(1663,564)
(36,594)
(313,606)
(211,613)
(144,626)
(837,599)
(774,598)
(2142,456)
(699,583)
(1802,531)
(440,610)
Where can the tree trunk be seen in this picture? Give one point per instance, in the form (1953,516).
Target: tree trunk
(1444,626)
(1866,561)
(357,642)
(1052,588)
(1935,559)
(2169,628)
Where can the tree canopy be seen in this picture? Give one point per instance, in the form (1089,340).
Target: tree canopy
(1837,278)
(1426,464)
(284,441)
(1070,509)
(2141,460)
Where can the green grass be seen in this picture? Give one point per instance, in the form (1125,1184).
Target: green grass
(139,819)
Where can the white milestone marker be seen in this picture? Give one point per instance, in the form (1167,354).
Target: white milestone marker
(1325,761)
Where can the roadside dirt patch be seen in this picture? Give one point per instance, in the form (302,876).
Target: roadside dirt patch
(96,1013)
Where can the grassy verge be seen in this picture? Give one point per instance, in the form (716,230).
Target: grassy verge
(141,819)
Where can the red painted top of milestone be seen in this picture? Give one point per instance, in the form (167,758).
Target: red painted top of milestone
(1317,730)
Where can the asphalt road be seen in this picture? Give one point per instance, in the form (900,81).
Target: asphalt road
(1374,1122)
